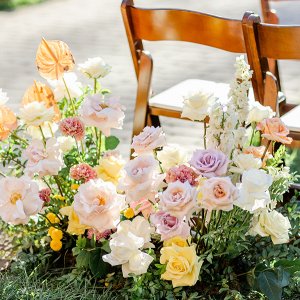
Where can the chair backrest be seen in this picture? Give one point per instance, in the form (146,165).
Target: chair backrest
(179,25)
(268,41)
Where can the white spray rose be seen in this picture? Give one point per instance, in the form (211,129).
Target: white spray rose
(245,162)
(95,68)
(259,112)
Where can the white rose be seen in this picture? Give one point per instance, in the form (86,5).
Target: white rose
(197,106)
(245,162)
(138,264)
(36,113)
(95,68)
(66,143)
(3,97)
(273,224)
(259,112)
(171,155)
(253,191)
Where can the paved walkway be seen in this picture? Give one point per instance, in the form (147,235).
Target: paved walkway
(94,28)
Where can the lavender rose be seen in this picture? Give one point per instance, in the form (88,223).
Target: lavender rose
(210,162)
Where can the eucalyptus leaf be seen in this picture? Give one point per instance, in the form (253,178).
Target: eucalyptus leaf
(111,142)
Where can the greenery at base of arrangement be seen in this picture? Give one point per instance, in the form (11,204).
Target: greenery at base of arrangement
(12,4)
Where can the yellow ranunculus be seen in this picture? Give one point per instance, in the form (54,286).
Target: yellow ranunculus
(129,213)
(52,218)
(182,265)
(176,240)
(55,245)
(74,226)
(56,234)
(109,168)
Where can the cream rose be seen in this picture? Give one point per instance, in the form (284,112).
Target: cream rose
(171,155)
(95,68)
(243,162)
(259,112)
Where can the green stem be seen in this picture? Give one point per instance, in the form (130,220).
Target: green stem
(69,95)
(265,152)
(252,136)
(95,85)
(204,135)
(42,133)
(100,143)
(19,138)
(2,174)
(155,155)
(56,178)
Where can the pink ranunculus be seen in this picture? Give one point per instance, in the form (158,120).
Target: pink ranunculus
(210,162)
(44,195)
(149,139)
(98,205)
(104,115)
(83,171)
(142,178)
(182,173)
(179,199)
(144,206)
(73,127)
(273,129)
(218,193)
(169,226)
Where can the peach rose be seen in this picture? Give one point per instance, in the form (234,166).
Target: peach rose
(258,152)
(274,129)
(8,122)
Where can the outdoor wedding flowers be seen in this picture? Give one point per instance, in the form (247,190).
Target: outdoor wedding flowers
(166,224)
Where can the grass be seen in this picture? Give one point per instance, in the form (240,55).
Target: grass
(12,4)
(22,286)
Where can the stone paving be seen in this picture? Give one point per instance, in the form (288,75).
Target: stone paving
(94,28)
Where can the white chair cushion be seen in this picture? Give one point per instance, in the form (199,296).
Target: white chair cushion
(173,97)
(292,119)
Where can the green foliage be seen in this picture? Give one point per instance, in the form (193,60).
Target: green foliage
(12,4)
(111,143)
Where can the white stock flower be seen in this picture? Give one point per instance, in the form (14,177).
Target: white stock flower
(273,224)
(245,162)
(36,113)
(66,143)
(253,191)
(197,106)
(259,112)
(3,97)
(19,199)
(95,68)
(171,155)
(59,88)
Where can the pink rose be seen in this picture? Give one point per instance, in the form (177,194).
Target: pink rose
(149,139)
(144,206)
(182,173)
(179,199)
(218,193)
(210,162)
(142,179)
(169,226)
(273,129)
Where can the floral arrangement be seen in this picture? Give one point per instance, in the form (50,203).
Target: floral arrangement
(164,225)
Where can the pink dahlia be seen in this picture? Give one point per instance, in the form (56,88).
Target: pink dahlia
(182,173)
(72,126)
(44,195)
(83,171)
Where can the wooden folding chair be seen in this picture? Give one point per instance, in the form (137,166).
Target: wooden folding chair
(173,25)
(268,41)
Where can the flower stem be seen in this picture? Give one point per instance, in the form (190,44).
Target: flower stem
(95,85)
(56,178)
(204,136)
(69,95)
(100,143)
(265,152)
(252,135)
(42,133)
(19,138)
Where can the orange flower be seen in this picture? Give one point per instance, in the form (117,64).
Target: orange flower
(40,92)
(53,58)
(273,129)
(8,122)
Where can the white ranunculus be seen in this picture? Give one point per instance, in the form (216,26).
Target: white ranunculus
(253,191)
(59,88)
(66,143)
(171,155)
(36,113)
(273,224)
(95,68)
(259,112)
(19,199)
(3,97)
(197,106)
(245,162)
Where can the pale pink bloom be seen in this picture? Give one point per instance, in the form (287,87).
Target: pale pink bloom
(104,115)
(44,195)
(258,153)
(98,205)
(179,199)
(73,127)
(210,162)
(83,171)
(142,178)
(217,193)
(144,206)
(43,160)
(148,140)
(182,173)
(19,199)
(169,226)
(98,235)
(273,129)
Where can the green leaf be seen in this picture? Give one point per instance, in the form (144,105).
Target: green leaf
(83,259)
(111,142)
(98,267)
(290,266)
(105,246)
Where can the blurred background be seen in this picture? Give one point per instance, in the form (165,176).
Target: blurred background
(95,28)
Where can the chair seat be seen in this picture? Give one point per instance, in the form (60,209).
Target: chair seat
(292,119)
(172,98)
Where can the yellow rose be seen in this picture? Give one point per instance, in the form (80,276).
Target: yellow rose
(109,168)
(74,226)
(52,218)
(55,245)
(56,234)
(182,265)
(176,240)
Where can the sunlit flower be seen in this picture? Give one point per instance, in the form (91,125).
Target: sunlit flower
(95,68)
(171,155)
(73,127)
(8,122)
